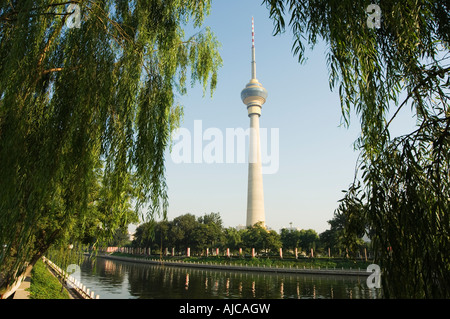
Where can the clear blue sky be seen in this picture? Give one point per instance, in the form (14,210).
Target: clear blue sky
(316,156)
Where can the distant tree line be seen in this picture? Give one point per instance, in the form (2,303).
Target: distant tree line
(207,231)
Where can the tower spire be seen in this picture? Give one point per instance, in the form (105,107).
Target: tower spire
(253,33)
(253,51)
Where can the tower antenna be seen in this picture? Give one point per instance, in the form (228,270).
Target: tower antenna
(253,51)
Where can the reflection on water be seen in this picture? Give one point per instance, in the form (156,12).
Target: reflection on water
(113,279)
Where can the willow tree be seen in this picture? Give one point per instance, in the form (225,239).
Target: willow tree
(383,57)
(88,100)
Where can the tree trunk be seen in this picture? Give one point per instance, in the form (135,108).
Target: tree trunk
(11,288)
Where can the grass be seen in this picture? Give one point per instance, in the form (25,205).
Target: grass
(44,285)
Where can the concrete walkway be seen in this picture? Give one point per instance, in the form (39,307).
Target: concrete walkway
(22,292)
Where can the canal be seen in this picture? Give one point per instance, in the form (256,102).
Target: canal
(113,279)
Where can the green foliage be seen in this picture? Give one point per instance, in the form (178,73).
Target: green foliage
(303,239)
(233,238)
(407,214)
(402,185)
(203,232)
(44,285)
(86,115)
(182,232)
(333,237)
(261,239)
(207,232)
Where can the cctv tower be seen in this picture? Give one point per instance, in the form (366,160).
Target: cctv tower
(254,96)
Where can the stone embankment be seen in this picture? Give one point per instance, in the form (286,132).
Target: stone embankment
(236,267)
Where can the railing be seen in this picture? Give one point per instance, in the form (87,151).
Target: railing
(80,289)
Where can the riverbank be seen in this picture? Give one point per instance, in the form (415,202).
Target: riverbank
(44,284)
(241,265)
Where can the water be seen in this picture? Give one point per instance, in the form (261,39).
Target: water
(112,279)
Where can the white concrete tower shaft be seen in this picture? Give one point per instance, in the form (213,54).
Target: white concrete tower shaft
(254,96)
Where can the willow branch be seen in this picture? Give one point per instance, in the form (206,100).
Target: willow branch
(6,17)
(50,40)
(52,70)
(432,75)
(59,69)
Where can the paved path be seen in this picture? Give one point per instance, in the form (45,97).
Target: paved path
(21,292)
